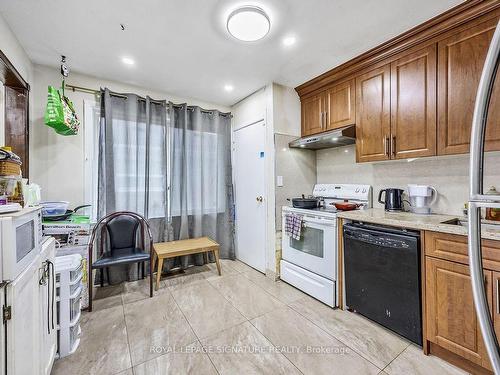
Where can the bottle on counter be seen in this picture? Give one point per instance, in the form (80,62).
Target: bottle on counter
(492,213)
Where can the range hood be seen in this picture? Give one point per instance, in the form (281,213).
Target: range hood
(333,138)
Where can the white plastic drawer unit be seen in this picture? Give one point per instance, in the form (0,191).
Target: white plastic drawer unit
(69,273)
(316,286)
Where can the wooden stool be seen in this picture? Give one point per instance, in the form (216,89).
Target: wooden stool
(172,249)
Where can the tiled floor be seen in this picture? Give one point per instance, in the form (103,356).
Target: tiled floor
(240,323)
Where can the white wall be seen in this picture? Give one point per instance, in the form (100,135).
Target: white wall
(448,174)
(249,110)
(15,53)
(58,162)
(286,107)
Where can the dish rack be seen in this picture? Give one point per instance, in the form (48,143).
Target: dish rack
(69,275)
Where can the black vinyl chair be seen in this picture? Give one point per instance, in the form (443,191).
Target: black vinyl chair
(118,241)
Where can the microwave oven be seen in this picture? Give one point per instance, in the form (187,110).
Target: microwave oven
(20,241)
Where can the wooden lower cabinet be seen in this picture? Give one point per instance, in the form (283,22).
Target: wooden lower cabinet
(451,318)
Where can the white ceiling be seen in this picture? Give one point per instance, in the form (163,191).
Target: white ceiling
(182,47)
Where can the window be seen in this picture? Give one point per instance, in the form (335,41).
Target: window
(202,171)
(129,163)
(91,118)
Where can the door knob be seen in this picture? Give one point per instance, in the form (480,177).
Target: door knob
(260,198)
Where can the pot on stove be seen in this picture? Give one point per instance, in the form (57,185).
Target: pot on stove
(305,202)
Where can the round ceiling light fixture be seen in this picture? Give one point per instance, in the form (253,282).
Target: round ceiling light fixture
(248,23)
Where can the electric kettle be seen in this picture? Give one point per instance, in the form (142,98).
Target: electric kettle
(393,199)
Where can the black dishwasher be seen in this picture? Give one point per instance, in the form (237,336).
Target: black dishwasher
(382,277)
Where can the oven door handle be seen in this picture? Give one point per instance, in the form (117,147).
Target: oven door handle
(329,222)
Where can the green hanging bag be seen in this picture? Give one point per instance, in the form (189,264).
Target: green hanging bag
(60,113)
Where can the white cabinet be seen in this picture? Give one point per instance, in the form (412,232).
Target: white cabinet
(30,345)
(47,303)
(22,329)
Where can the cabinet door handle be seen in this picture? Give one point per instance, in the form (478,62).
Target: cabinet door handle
(393,145)
(326,120)
(386,146)
(498,296)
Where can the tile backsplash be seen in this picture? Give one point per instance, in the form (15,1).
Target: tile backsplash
(448,174)
(298,170)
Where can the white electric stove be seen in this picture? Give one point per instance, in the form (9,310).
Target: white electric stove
(310,264)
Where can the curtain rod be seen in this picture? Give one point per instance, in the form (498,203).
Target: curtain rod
(116,95)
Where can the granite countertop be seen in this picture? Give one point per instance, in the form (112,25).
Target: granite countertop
(433,222)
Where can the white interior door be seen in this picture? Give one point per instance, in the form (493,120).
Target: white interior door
(249,175)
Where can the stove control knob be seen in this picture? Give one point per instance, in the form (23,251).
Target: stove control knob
(364,191)
(357,190)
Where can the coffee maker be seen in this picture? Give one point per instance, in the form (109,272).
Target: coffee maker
(422,197)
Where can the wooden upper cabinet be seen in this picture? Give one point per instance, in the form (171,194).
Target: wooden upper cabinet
(450,314)
(460,63)
(373,121)
(313,117)
(421,102)
(413,104)
(340,105)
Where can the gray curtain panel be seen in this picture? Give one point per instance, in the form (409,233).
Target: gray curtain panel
(200,179)
(170,163)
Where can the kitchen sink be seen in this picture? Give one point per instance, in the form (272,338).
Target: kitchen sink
(464,223)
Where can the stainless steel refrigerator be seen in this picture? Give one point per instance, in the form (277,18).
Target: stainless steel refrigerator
(478,200)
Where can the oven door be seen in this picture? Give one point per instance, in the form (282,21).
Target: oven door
(316,250)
